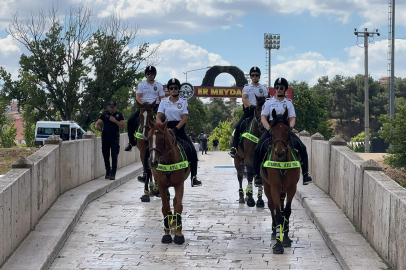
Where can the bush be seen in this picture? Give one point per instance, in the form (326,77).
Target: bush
(223,134)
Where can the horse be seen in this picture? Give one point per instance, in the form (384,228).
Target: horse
(245,153)
(146,114)
(280,174)
(170,170)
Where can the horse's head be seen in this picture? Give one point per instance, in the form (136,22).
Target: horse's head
(146,114)
(280,133)
(161,142)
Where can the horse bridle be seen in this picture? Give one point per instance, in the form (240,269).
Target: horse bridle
(146,126)
(161,153)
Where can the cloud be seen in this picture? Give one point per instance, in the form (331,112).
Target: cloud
(8,46)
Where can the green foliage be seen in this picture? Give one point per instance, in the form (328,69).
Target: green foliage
(217,112)
(197,115)
(8,134)
(237,114)
(394,132)
(311,110)
(222,132)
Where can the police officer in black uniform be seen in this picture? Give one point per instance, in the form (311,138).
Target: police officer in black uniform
(113,121)
(175,110)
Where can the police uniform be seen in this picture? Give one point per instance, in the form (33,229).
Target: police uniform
(173,113)
(110,139)
(150,93)
(279,107)
(253,92)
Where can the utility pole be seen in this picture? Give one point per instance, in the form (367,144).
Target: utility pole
(271,41)
(391,41)
(365,35)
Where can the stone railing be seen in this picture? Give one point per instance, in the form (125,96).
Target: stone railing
(33,184)
(373,202)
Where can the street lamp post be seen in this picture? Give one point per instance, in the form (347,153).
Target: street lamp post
(195,70)
(271,41)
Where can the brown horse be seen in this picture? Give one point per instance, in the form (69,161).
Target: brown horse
(146,115)
(170,170)
(280,179)
(245,154)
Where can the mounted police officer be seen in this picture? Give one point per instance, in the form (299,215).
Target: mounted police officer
(176,112)
(113,121)
(279,102)
(147,91)
(249,94)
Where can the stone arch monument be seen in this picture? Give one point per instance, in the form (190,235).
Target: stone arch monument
(234,71)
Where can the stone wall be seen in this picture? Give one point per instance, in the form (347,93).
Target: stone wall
(374,203)
(30,188)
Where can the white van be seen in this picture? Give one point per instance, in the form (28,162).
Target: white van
(66,130)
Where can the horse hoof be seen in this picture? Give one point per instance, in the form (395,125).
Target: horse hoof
(241,200)
(155,193)
(287,242)
(141,179)
(145,198)
(260,203)
(179,240)
(278,248)
(251,202)
(166,239)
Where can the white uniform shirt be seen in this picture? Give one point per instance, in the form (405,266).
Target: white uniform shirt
(150,92)
(279,106)
(252,91)
(173,111)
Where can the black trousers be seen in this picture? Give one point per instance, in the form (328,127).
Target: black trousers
(189,148)
(113,145)
(247,113)
(132,125)
(297,144)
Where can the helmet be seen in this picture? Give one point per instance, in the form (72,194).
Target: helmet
(173,81)
(151,69)
(255,69)
(282,81)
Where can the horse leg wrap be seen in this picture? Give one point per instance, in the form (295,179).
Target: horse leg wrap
(178,220)
(155,185)
(285,225)
(166,222)
(279,235)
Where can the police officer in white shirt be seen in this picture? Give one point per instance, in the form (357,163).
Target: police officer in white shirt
(147,91)
(175,110)
(250,93)
(279,103)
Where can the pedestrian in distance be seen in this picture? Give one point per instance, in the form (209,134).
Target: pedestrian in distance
(112,122)
(215,144)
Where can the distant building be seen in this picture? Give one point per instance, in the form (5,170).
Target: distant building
(385,80)
(12,110)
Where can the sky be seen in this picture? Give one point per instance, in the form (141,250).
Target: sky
(317,36)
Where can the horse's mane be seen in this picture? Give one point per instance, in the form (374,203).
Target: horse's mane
(261,101)
(279,118)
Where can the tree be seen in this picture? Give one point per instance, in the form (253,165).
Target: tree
(197,115)
(311,110)
(223,133)
(394,132)
(217,112)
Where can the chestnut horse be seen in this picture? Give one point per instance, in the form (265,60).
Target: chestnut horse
(245,154)
(170,169)
(141,135)
(280,173)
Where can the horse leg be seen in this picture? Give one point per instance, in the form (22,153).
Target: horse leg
(271,206)
(275,193)
(179,239)
(167,238)
(141,147)
(287,242)
(145,197)
(237,165)
(250,201)
(155,190)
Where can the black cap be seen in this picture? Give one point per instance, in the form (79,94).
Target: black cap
(112,103)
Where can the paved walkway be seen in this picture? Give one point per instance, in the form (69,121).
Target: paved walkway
(117,231)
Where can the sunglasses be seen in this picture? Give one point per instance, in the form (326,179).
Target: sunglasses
(174,88)
(254,75)
(149,73)
(280,88)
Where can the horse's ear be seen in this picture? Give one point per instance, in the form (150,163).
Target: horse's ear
(285,114)
(273,114)
(165,124)
(153,103)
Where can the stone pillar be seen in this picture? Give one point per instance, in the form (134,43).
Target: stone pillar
(337,140)
(53,140)
(95,163)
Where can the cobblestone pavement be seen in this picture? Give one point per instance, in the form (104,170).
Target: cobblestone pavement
(118,231)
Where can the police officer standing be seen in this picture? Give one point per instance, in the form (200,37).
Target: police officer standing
(113,121)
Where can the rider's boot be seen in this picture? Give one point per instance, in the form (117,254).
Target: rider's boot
(233,152)
(113,174)
(130,145)
(307,178)
(258,180)
(108,172)
(195,182)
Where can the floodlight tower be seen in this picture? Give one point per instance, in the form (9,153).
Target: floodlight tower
(271,41)
(365,35)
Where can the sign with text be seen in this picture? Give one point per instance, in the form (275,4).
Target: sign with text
(225,92)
